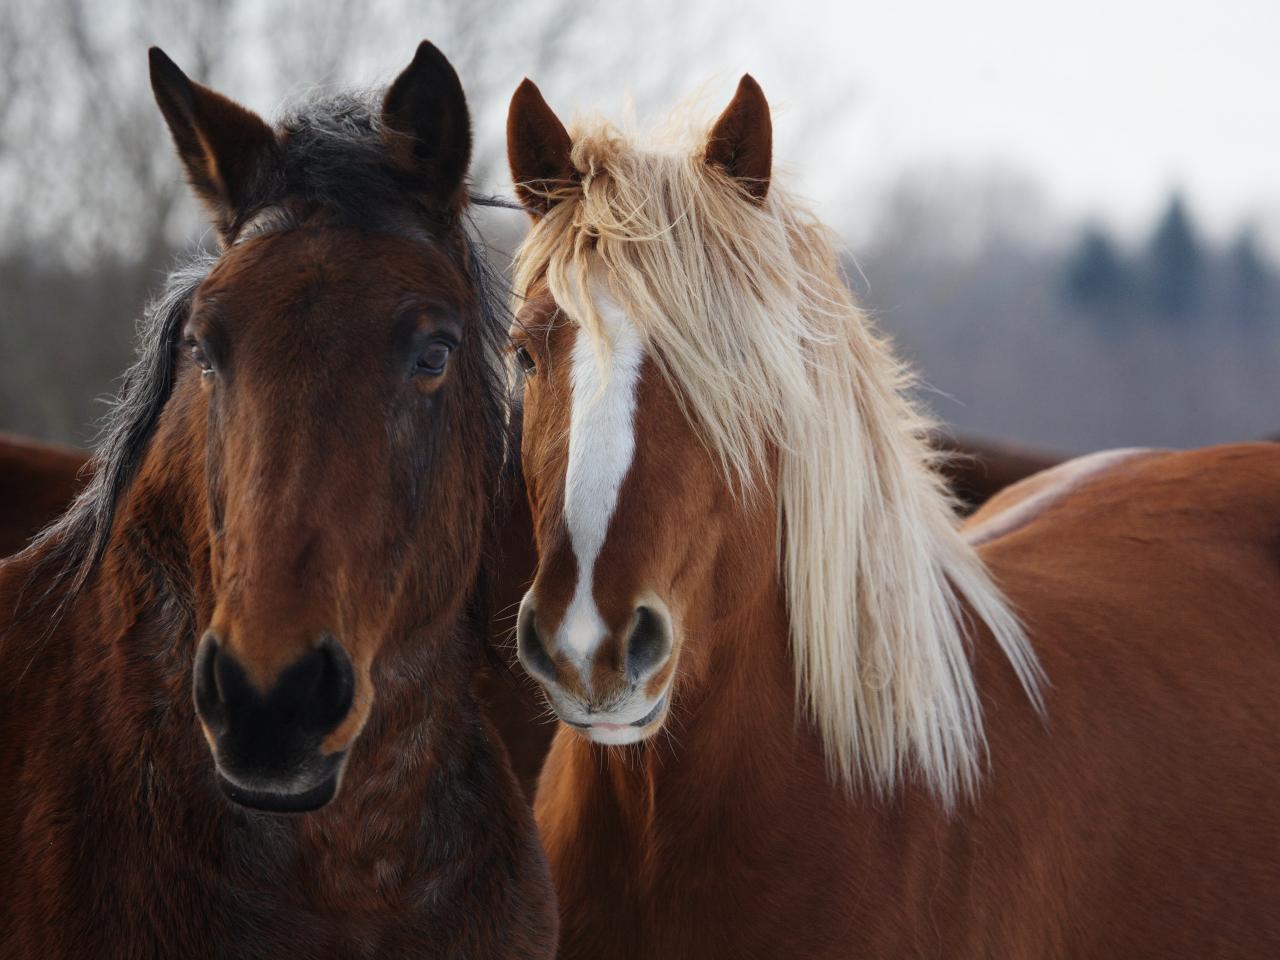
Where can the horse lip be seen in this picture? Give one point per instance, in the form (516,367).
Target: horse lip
(271,801)
(652,715)
(644,721)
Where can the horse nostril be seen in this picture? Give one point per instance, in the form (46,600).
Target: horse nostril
(210,704)
(529,645)
(311,697)
(316,690)
(649,644)
(334,687)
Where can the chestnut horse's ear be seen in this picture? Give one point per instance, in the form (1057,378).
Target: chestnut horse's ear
(742,139)
(427,109)
(225,148)
(538,148)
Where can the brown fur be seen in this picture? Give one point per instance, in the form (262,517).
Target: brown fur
(37,482)
(311,482)
(741,140)
(546,147)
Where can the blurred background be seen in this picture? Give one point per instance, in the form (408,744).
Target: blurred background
(1067,213)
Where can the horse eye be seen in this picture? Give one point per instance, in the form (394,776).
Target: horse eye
(432,360)
(525,359)
(199,357)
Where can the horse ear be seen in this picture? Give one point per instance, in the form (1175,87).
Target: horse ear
(742,139)
(426,111)
(225,148)
(538,148)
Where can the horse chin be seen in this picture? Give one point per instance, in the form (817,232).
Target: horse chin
(288,796)
(619,738)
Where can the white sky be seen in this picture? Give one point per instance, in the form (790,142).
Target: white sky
(1107,104)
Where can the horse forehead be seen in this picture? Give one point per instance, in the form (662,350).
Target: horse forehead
(305,266)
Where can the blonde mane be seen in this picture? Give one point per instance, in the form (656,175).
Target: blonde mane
(745,311)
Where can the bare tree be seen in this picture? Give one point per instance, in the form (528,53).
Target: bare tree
(92,202)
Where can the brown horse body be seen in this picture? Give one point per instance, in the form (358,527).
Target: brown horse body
(301,468)
(1141,820)
(895,777)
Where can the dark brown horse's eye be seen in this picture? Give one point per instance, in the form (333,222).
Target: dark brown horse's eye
(525,359)
(199,357)
(432,360)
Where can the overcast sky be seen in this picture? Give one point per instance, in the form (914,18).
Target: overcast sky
(1107,104)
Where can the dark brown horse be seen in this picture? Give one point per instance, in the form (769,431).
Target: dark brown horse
(237,715)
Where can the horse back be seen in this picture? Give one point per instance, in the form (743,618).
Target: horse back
(1150,798)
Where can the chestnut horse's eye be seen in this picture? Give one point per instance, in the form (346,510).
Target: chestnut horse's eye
(199,357)
(433,359)
(525,359)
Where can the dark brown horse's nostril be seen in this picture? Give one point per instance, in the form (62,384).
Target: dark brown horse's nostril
(266,733)
(208,695)
(533,654)
(649,644)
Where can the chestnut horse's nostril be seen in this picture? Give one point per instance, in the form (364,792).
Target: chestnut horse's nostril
(533,654)
(649,644)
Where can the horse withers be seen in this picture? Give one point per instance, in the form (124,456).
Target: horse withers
(805,714)
(238,717)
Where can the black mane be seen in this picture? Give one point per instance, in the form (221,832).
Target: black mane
(336,164)
(333,158)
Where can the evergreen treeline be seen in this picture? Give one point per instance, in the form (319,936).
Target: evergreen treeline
(1175,275)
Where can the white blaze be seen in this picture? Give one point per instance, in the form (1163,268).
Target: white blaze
(601,447)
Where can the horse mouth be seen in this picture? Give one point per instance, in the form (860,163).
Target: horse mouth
(654,713)
(272,801)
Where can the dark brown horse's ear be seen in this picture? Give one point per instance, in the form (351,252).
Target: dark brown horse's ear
(538,148)
(742,139)
(426,111)
(225,148)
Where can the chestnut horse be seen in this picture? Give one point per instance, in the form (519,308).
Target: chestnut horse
(271,599)
(743,542)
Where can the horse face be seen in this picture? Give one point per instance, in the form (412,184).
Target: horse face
(642,544)
(338,376)
(333,370)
